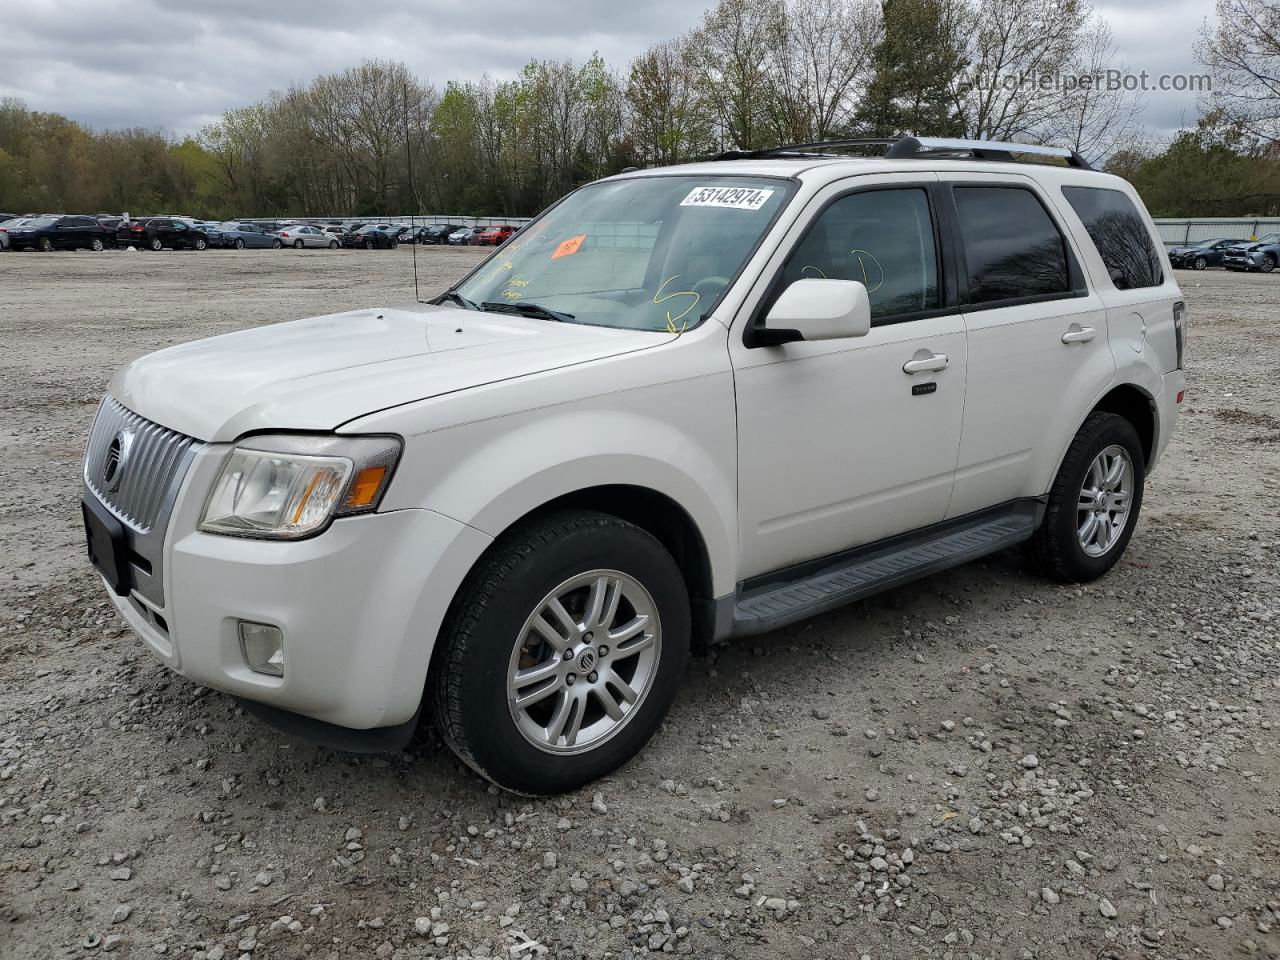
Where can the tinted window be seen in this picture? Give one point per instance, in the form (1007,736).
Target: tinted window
(1011,246)
(1119,234)
(883,238)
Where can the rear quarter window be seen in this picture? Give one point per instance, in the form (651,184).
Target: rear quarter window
(1119,234)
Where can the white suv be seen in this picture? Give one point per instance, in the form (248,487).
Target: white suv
(684,404)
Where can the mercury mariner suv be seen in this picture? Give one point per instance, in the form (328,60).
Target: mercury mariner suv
(684,404)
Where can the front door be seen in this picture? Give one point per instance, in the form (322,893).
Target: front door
(844,442)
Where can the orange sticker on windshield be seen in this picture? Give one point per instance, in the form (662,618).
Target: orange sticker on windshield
(569,247)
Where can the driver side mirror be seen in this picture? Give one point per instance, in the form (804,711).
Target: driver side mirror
(813,309)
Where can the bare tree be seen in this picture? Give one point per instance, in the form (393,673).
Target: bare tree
(731,54)
(669,120)
(1243,52)
(823,60)
(1095,120)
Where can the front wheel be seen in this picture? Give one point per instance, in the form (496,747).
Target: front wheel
(1200,263)
(561,653)
(1268,263)
(239,244)
(276,244)
(46,245)
(1094,502)
(96,245)
(333,244)
(297,244)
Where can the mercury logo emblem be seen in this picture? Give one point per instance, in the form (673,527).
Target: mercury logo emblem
(117,456)
(586,661)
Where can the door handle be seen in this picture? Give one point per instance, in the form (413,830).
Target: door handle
(928,364)
(1076,334)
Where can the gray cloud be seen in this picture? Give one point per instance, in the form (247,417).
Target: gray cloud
(177,66)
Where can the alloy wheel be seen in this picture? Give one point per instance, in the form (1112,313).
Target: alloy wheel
(1106,498)
(584,661)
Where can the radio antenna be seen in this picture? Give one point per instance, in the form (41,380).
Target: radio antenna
(413,193)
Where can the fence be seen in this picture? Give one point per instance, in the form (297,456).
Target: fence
(1185,232)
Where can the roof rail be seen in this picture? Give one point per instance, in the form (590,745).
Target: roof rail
(914,148)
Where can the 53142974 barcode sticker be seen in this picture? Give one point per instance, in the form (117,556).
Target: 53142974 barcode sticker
(733,198)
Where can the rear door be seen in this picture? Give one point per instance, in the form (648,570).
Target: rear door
(845,442)
(1037,338)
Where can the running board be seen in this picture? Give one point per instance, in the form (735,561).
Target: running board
(776,600)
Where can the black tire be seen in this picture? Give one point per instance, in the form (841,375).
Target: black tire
(199,243)
(333,244)
(156,245)
(239,244)
(297,244)
(394,244)
(468,683)
(1056,546)
(46,245)
(276,244)
(368,244)
(1268,263)
(96,245)
(1200,263)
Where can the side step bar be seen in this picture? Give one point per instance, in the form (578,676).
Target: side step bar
(778,599)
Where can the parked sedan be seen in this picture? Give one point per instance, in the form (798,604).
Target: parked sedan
(1199,256)
(465,236)
(236,235)
(495,236)
(299,236)
(59,233)
(8,224)
(1262,254)
(434,233)
(157,233)
(374,236)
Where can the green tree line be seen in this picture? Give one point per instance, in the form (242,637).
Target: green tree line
(753,73)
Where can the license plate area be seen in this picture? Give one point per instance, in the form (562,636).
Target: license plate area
(107,546)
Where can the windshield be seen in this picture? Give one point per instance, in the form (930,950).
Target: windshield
(650,253)
(42,222)
(1269,238)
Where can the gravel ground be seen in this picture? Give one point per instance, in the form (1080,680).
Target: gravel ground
(982,764)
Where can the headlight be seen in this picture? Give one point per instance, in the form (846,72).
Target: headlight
(287,487)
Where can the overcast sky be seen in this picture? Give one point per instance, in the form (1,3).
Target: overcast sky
(178,65)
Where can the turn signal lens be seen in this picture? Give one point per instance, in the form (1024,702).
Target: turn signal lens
(365,487)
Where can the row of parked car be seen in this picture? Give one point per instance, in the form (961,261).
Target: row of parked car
(76,232)
(1262,254)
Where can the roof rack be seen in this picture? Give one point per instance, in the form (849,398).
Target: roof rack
(914,148)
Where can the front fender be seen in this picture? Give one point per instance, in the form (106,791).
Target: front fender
(677,439)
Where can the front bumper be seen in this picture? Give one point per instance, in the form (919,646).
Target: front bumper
(359,605)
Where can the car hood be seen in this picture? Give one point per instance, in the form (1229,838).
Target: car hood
(319,373)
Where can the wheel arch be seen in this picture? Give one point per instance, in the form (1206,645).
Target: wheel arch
(1138,407)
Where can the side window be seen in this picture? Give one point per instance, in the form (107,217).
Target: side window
(1012,247)
(883,238)
(179,225)
(1119,234)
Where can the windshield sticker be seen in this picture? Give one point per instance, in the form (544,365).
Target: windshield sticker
(730,198)
(569,247)
(672,321)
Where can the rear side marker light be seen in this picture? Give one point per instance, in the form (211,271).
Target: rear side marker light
(1181,394)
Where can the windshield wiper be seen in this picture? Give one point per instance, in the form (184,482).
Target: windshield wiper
(457,298)
(526,310)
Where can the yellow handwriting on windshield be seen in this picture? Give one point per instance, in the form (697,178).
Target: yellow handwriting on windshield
(511,289)
(672,322)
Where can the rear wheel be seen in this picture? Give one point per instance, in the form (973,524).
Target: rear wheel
(239,244)
(1094,502)
(46,245)
(96,245)
(155,244)
(276,244)
(561,653)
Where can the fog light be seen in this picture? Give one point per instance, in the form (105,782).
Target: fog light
(262,647)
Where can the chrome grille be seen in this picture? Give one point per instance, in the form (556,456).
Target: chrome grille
(133,464)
